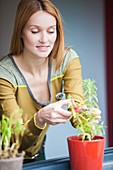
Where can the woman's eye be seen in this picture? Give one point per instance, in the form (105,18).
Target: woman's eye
(34,32)
(51,31)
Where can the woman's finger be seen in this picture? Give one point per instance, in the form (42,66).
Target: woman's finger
(62,103)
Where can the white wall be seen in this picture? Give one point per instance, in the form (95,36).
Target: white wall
(84,32)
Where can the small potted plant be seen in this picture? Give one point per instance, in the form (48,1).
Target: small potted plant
(11,132)
(87,148)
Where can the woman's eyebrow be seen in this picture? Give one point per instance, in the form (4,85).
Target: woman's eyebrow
(37,26)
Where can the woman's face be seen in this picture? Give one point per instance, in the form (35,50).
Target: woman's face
(39,34)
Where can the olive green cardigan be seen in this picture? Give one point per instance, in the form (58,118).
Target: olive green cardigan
(15,93)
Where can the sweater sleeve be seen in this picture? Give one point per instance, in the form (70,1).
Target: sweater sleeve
(73,78)
(9,105)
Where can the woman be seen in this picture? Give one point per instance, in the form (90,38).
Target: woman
(31,75)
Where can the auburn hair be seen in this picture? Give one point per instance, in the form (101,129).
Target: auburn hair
(25,10)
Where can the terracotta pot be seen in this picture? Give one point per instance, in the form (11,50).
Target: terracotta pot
(11,163)
(86,155)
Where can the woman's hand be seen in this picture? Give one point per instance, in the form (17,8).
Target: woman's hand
(96,112)
(53,114)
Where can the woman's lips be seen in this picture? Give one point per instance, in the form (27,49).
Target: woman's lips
(43,48)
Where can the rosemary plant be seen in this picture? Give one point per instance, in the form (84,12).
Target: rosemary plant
(84,115)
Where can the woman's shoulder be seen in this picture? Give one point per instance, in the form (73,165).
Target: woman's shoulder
(6,68)
(4,59)
(69,54)
(9,72)
(6,63)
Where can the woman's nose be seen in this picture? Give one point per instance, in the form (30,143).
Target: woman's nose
(43,37)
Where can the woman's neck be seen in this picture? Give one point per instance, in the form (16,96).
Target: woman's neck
(31,64)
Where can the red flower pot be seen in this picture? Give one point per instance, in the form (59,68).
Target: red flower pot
(86,155)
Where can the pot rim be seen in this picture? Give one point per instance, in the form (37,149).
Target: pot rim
(19,156)
(76,137)
(11,159)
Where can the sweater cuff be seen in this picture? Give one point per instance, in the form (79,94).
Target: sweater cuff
(33,129)
(38,126)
